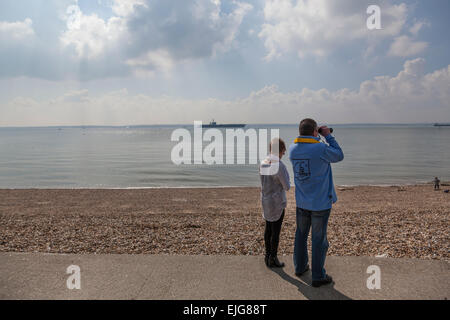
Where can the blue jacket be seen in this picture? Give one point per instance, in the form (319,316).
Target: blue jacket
(314,187)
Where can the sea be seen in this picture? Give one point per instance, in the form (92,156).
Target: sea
(141,157)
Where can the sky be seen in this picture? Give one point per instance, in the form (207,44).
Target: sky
(137,62)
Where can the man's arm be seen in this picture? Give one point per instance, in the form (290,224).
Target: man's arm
(332,153)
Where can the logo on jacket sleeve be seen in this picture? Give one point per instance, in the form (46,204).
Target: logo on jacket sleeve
(301,169)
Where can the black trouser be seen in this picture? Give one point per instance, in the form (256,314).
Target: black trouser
(272,236)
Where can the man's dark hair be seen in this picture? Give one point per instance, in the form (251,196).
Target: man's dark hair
(307,127)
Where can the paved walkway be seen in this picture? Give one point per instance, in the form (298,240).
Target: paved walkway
(43,276)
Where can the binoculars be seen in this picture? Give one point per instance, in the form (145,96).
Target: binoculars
(320,130)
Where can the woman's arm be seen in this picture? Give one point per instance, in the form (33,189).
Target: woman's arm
(283,176)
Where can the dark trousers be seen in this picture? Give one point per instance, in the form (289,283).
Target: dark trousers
(272,236)
(318,222)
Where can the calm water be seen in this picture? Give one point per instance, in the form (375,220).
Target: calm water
(140,157)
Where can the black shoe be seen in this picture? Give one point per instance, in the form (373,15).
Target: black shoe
(275,263)
(299,274)
(326,280)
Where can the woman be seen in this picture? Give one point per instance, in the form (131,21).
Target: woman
(274,184)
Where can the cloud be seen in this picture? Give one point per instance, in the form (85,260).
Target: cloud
(181,31)
(160,60)
(418,26)
(90,35)
(404,46)
(23,103)
(410,96)
(319,27)
(24,53)
(154,35)
(123,8)
(141,36)
(75,96)
(13,31)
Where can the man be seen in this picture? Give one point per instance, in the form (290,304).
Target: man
(314,194)
(436,183)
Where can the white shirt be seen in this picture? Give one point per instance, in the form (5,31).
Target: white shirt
(274,184)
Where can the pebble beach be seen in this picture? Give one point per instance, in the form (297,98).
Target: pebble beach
(389,221)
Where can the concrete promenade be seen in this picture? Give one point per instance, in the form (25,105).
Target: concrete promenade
(43,276)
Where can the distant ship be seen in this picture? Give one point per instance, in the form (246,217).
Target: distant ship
(442,124)
(214,124)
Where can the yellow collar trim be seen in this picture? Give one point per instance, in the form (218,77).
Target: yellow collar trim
(306,140)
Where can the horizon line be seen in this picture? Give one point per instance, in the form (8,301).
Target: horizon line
(189,124)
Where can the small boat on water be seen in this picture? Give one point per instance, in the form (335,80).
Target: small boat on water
(442,125)
(214,124)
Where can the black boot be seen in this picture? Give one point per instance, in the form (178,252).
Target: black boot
(268,249)
(326,280)
(275,263)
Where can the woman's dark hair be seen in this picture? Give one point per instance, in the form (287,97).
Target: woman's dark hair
(277,143)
